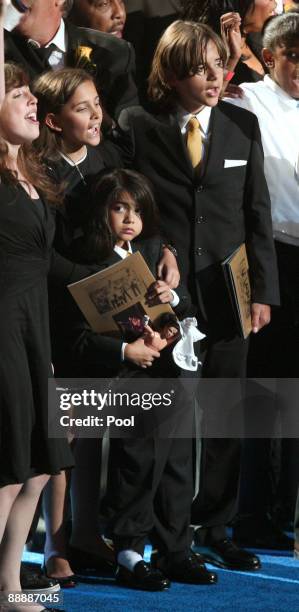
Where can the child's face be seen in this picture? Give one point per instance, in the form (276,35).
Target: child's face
(284,68)
(125,219)
(80,119)
(203,88)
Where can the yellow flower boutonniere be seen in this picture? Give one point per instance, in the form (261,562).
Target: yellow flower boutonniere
(84,52)
(83,59)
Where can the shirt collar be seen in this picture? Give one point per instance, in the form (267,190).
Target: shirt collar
(281,94)
(203,117)
(123,252)
(59,38)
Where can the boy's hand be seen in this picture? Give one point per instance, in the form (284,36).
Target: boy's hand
(143,356)
(260,316)
(168,269)
(159,293)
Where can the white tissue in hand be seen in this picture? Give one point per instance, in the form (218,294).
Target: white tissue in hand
(183,352)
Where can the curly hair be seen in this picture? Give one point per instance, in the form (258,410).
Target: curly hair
(28,160)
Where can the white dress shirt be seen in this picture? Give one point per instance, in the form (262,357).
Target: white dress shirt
(56,59)
(123,253)
(278,115)
(203,117)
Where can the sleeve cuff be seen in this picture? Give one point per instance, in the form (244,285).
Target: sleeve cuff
(175,300)
(123,346)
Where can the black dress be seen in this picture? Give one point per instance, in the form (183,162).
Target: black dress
(77,181)
(26,234)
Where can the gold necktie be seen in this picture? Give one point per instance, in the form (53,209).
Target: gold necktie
(194,141)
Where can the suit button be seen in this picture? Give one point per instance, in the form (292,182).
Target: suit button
(199,251)
(199,188)
(199,219)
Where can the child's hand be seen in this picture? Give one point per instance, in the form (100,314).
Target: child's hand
(143,356)
(159,293)
(168,269)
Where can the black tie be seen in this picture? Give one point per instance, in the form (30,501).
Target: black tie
(43,53)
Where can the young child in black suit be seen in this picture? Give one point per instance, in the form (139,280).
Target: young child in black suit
(123,210)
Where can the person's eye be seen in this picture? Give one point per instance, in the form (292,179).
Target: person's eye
(138,212)
(79,109)
(118,208)
(200,69)
(293,56)
(219,63)
(18,93)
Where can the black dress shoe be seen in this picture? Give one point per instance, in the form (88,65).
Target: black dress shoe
(191,570)
(143,577)
(35,580)
(228,555)
(83,562)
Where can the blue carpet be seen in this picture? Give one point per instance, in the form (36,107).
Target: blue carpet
(274,588)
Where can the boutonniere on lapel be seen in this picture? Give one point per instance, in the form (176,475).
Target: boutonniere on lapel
(83,59)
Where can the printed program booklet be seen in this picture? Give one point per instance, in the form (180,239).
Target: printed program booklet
(235,269)
(114,300)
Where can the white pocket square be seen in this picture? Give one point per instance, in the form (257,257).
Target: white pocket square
(233,163)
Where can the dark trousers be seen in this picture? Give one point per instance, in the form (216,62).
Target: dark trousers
(152,494)
(216,503)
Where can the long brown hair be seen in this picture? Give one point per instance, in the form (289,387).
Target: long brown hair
(180,51)
(28,160)
(53,90)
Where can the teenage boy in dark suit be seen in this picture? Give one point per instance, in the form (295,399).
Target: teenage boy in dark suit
(206,163)
(43,40)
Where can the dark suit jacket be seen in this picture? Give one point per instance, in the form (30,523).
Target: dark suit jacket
(79,351)
(208,217)
(114,58)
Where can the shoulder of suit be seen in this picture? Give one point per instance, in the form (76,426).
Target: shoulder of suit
(133,114)
(97,38)
(234,112)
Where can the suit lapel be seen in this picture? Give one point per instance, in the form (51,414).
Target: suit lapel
(25,54)
(172,140)
(220,129)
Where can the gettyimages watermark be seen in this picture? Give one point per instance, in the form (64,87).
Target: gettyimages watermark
(176,408)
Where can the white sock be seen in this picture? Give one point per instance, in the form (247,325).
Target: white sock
(128,559)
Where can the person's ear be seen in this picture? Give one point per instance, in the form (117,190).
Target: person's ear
(52,121)
(268,58)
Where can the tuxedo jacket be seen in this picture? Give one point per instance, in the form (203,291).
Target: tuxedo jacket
(79,351)
(207,217)
(114,60)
